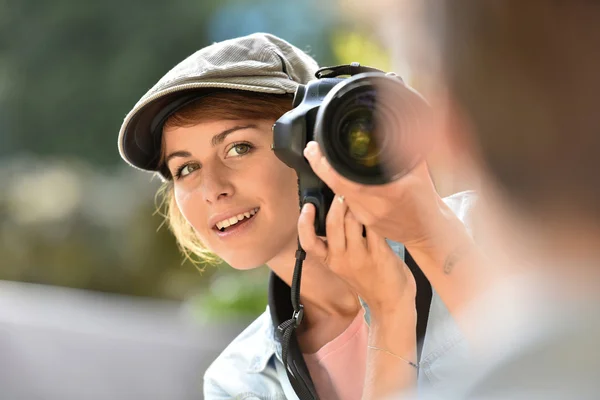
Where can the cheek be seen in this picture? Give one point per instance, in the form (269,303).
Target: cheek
(190,207)
(286,193)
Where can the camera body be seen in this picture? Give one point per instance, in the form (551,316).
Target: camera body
(292,132)
(358,121)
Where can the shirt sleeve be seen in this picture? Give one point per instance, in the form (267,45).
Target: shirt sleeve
(212,391)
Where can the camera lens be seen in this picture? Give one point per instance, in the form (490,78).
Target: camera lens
(363,126)
(359,140)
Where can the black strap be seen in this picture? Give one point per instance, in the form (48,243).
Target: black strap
(422,300)
(345,69)
(288,327)
(287,330)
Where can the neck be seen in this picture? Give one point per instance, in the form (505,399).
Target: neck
(322,293)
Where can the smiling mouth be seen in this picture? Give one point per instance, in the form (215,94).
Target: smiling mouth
(235,221)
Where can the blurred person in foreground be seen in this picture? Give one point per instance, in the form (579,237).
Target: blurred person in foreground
(205,128)
(523,80)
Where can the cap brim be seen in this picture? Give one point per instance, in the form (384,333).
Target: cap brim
(140,137)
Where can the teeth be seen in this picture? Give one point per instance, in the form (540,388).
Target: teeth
(235,219)
(223,224)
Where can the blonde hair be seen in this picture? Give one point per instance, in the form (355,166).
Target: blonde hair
(220,105)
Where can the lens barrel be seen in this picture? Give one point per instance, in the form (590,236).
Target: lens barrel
(369,128)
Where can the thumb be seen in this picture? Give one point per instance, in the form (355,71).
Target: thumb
(309,240)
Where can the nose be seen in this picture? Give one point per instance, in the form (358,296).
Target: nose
(216,184)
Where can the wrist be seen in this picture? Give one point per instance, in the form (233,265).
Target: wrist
(395,333)
(389,322)
(448,237)
(397,308)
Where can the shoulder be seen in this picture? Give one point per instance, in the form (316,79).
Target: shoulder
(242,369)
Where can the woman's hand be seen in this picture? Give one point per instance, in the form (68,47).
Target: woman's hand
(367,264)
(407,210)
(383,281)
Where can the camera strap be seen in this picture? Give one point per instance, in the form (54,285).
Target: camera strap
(345,69)
(422,300)
(300,380)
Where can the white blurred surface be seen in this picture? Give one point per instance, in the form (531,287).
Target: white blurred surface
(67,344)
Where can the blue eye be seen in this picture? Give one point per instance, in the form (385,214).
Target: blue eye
(239,149)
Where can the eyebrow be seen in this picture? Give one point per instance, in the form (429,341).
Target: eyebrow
(177,154)
(220,137)
(215,141)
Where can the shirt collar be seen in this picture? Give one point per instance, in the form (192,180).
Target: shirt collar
(280,303)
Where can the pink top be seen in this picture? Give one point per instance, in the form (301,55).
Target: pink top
(338,368)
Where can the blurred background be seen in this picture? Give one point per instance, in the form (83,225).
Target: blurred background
(95,299)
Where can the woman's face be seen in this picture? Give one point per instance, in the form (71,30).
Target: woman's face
(229,185)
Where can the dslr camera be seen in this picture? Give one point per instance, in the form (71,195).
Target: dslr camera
(367,124)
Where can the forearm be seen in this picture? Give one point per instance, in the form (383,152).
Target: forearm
(453,263)
(392,349)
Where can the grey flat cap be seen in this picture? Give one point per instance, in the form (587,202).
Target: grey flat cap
(257,63)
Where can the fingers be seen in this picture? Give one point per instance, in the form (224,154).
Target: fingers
(354,229)
(375,242)
(359,212)
(309,240)
(336,230)
(321,167)
(358,196)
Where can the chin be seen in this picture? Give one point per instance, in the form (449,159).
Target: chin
(250,255)
(244,262)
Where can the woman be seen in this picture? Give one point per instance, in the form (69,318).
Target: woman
(206,129)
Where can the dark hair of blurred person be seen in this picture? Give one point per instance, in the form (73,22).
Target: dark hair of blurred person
(523,79)
(526,73)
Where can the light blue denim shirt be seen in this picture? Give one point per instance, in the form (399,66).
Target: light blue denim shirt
(251,367)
